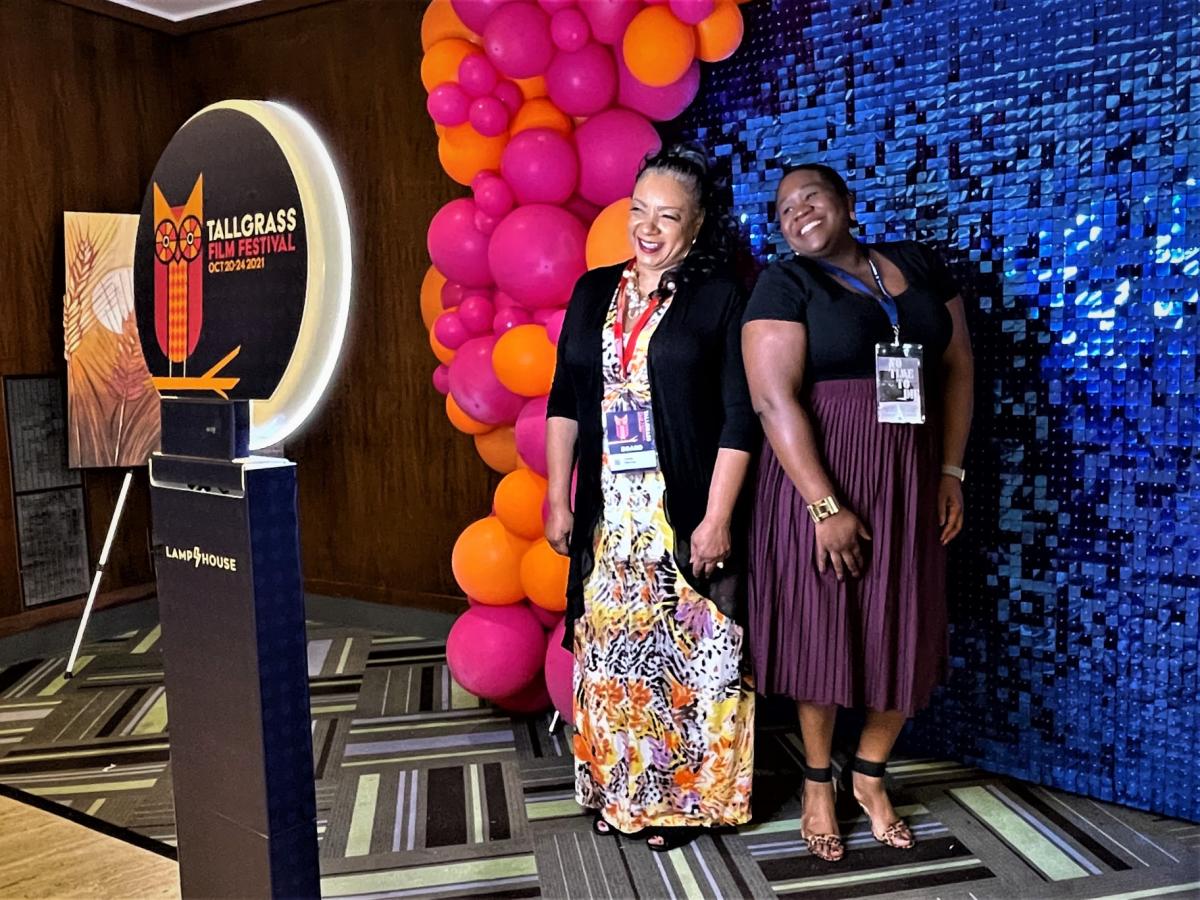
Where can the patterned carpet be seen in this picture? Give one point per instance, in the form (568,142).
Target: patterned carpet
(422,791)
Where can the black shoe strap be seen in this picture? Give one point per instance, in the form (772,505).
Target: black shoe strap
(821,775)
(868,768)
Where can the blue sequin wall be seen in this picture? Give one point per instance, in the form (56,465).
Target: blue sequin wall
(1050,150)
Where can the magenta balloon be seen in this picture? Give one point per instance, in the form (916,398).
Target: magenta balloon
(448,104)
(504,301)
(493,195)
(531,434)
(547,618)
(554,325)
(560,673)
(475,388)
(441,380)
(475,13)
(582,82)
(530,701)
(553,6)
(660,104)
(509,93)
(517,40)
(485,223)
(581,209)
(450,330)
(496,651)
(537,254)
(569,29)
(692,12)
(476,314)
(542,316)
(452,294)
(489,116)
(610,18)
(476,75)
(459,249)
(611,147)
(540,165)
(508,319)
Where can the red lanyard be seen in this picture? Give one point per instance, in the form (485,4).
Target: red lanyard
(629,347)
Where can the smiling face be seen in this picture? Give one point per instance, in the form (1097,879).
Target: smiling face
(813,215)
(664,219)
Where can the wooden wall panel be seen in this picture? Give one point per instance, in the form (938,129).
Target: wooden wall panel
(86,104)
(386,484)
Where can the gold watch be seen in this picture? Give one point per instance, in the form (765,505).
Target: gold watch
(823,509)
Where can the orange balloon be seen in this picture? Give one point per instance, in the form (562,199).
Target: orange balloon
(464,152)
(440,63)
(440,350)
(540,112)
(658,47)
(486,562)
(721,33)
(431,296)
(523,360)
(533,87)
(462,421)
(518,503)
(544,576)
(440,22)
(498,449)
(608,238)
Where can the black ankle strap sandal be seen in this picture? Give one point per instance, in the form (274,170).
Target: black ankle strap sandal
(819,775)
(868,768)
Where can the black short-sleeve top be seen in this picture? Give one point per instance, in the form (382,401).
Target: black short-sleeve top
(844,326)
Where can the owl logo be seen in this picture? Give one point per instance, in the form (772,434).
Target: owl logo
(179,291)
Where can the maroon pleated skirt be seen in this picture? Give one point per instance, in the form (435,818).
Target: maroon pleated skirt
(878,641)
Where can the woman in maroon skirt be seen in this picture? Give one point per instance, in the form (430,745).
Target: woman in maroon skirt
(860,368)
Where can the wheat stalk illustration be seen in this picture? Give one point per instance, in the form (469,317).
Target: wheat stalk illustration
(130,378)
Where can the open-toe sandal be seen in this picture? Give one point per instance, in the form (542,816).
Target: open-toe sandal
(829,847)
(897,834)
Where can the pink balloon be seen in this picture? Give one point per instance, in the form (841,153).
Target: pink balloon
(475,13)
(517,40)
(553,6)
(475,388)
(560,673)
(452,294)
(582,82)
(441,380)
(581,209)
(485,223)
(459,249)
(448,104)
(661,104)
(546,617)
(504,301)
(611,147)
(554,325)
(569,29)
(510,95)
(496,651)
(610,18)
(450,330)
(476,75)
(489,116)
(476,314)
(508,319)
(542,316)
(531,434)
(530,701)
(540,165)
(537,254)
(692,12)
(493,195)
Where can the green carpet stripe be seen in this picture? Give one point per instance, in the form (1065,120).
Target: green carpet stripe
(460,698)
(551,809)
(103,751)
(155,719)
(105,788)
(341,666)
(476,801)
(453,723)
(60,681)
(148,641)
(378,761)
(812,884)
(362,820)
(1153,892)
(1023,837)
(691,889)
(436,875)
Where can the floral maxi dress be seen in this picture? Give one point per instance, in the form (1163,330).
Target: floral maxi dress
(664,724)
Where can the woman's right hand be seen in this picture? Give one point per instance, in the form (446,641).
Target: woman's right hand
(558,529)
(838,544)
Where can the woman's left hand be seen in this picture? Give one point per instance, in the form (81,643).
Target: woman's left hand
(950,508)
(711,543)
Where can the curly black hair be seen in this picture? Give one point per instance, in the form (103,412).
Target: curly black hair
(713,251)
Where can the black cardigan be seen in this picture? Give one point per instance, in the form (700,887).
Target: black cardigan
(701,404)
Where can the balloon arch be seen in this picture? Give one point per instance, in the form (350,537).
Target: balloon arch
(544,110)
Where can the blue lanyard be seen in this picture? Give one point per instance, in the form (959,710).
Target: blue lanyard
(886,300)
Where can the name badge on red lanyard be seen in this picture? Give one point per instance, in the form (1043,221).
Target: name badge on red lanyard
(629,433)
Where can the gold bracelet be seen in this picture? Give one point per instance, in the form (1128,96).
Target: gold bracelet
(823,509)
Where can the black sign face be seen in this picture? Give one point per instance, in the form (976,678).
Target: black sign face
(221,261)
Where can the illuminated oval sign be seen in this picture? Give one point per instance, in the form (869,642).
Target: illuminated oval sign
(242,265)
